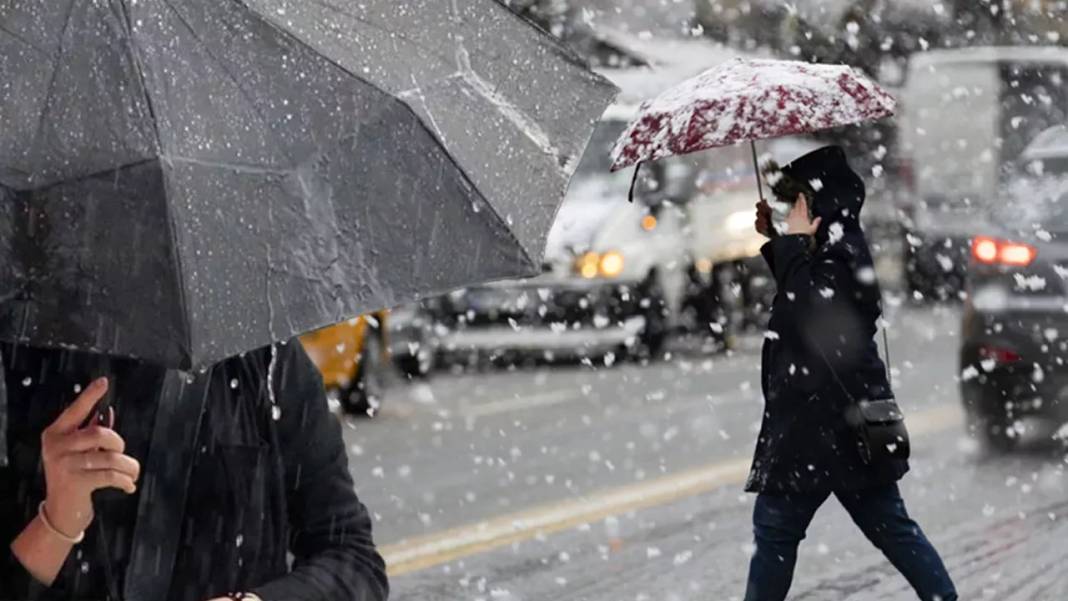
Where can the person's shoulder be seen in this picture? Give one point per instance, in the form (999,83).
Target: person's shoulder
(846,245)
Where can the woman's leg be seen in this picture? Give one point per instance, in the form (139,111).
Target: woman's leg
(880,513)
(779,524)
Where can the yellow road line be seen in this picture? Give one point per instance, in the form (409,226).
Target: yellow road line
(456,543)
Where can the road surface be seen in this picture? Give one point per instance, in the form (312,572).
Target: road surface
(625,483)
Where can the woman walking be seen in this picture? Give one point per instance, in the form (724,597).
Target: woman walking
(819,357)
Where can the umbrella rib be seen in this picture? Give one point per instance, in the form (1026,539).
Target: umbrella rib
(138,66)
(95,174)
(564,52)
(418,119)
(240,167)
(52,79)
(373,25)
(29,44)
(240,88)
(297,40)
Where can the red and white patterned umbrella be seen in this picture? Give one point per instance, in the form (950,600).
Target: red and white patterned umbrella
(749,99)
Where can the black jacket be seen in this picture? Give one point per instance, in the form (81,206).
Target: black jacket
(253,488)
(824,316)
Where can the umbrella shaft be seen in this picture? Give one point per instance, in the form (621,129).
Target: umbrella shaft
(756,169)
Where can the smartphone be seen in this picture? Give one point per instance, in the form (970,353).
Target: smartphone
(101,414)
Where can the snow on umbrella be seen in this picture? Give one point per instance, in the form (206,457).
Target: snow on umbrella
(744,100)
(185,180)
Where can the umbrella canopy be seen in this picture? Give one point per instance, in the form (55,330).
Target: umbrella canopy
(749,99)
(185,180)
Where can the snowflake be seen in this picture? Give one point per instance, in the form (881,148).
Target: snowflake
(866,275)
(835,232)
(944,262)
(1032,283)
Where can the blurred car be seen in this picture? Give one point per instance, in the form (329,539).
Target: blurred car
(1014,335)
(412,340)
(353,357)
(616,274)
(610,285)
(966,115)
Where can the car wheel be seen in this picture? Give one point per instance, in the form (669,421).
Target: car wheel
(364,397)
(916,284)
(998,437)
(729,288)
(994,436)
(415,366)
(653,336)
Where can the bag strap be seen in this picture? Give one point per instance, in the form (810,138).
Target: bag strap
(3,413)
(834,374)
(886,351)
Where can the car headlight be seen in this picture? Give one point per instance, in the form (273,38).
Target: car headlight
(605,265)
(740,221)
(588,265)
(611,264)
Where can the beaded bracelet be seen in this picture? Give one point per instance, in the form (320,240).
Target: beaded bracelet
(55,531)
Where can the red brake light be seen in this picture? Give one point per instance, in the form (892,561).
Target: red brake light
(985,250)
(989,251)
(999,355)
(1019,255)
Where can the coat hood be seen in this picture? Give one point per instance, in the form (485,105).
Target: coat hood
(839,190)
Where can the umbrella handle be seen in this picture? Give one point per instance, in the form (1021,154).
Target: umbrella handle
(756,167)
(634,182)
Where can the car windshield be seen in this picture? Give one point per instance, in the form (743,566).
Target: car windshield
(593,180)
(1035,203)
(1045,167)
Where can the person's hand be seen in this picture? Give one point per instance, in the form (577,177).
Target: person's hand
(763,219)
(78,461)
(797,222)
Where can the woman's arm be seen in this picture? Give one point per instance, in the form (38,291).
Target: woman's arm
(336,559)
(809,282)
(39,552)
(77,461)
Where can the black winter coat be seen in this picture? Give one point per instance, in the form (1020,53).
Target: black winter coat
(255,489)
(824,315)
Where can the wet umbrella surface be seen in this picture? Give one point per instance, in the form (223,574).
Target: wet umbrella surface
(185,180)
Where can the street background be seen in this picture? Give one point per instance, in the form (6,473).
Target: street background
(463,449)
(497,469)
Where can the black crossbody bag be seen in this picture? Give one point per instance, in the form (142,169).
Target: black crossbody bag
(879,424)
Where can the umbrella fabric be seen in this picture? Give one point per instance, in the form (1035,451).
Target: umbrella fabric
(749,99)
(185,180)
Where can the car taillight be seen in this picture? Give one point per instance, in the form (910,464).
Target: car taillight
(998,354)
(991,251)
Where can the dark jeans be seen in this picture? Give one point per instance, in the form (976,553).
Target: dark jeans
(780,521)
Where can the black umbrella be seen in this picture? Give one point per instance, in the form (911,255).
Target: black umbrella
(185,180)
